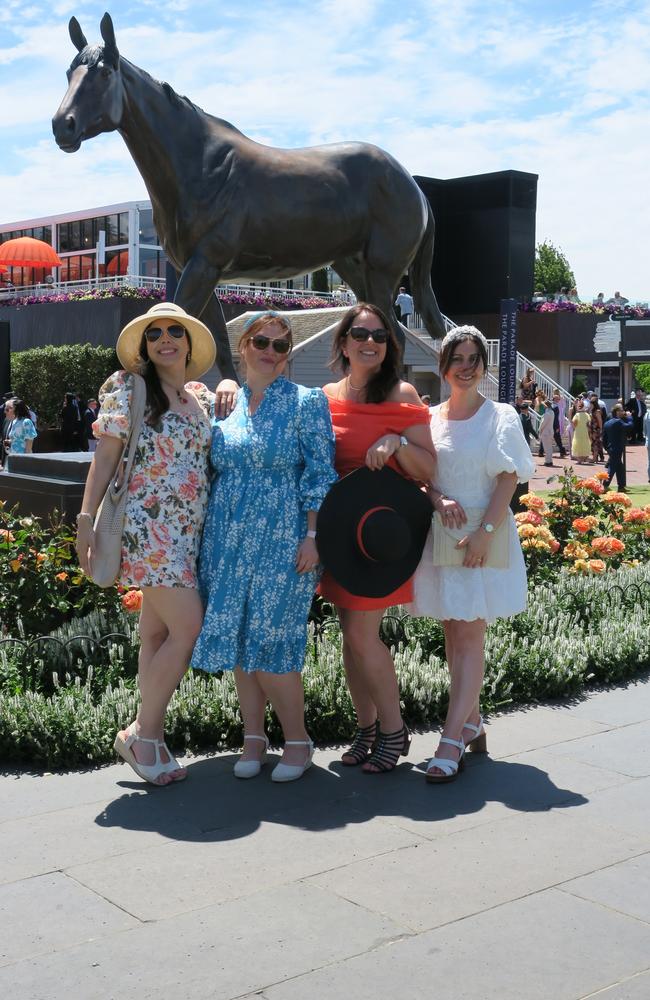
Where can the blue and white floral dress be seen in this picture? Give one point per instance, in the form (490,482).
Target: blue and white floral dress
(271,468)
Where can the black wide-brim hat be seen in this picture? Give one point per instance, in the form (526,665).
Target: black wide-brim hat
(371,531)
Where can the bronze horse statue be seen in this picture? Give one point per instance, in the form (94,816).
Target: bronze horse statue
(227,208)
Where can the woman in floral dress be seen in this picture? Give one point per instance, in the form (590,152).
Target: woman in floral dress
(20,428)
(258,566)
(167,500)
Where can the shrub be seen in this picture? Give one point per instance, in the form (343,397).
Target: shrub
(64,711)
(41,585)
(42,375)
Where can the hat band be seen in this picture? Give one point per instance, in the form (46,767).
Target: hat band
(360,526)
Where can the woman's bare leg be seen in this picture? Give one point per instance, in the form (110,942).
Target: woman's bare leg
(170,622)
(371,674)
(467,643)
(287,696)
(252,703)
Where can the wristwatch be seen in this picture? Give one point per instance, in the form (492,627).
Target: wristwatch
(403,441)
(487,527)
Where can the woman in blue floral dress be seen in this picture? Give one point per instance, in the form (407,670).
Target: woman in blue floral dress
(258,563)
(20,428)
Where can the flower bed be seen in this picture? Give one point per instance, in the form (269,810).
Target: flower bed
(582,529)
(255,300)
(606,310)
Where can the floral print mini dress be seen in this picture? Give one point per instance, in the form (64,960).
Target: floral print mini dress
(168,487)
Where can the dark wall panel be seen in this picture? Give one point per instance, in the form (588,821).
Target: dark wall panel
(5,367)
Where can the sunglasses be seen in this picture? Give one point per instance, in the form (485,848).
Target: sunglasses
(154,333)
(260,343)
(359,333)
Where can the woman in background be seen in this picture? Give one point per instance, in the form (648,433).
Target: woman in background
(20,431)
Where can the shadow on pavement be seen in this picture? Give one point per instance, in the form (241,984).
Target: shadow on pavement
(213,805)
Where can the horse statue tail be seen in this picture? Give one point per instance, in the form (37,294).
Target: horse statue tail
(420,280)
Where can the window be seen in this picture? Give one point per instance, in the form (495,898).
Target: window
(146,232)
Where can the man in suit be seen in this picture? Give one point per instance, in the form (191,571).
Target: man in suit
(614,436)
(636,407)
(526,422)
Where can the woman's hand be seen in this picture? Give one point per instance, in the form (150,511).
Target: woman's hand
(307,556)
(451,513)
(477,546)
(225,397)
(85,543)
(379,453)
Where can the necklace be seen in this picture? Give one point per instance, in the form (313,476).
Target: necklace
(183,399)
(355,388)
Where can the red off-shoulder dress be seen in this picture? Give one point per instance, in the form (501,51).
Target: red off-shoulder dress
(357,426)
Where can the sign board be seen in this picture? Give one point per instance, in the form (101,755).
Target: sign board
(508,351)
(608,334)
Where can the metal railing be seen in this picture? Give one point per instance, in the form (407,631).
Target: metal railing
(141,281)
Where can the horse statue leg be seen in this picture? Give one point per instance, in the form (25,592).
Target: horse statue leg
(195,293)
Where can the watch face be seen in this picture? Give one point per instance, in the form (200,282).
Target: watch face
(489,528)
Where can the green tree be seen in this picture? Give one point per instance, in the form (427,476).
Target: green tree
(642,375)
(320,280)
(42,375)
(552,270)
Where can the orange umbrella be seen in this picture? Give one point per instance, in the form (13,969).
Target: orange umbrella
(28,252)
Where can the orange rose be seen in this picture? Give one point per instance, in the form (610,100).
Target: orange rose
(61,576)
(607,546)
(132,600)
(6,536)
(528,517)
(602,476)
(597,566)
(635,515)
(555,545)
(617,498)
(15,564)
(593,485)
(575,550)
(585,524)
(532,500)
(527,530)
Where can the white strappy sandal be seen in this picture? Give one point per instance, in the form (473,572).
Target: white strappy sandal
(450,768)
(148,772)
(290,772)
(251,768)
(478,742)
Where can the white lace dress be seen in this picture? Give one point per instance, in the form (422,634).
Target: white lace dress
(470,455)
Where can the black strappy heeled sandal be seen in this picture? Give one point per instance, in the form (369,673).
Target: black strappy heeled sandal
(390,747)
(363,744)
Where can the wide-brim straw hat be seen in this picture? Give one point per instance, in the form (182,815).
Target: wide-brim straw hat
(371,530)
(204,349)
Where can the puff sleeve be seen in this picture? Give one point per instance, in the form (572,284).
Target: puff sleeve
(29,431)
(317,448)
(114,417)
(508,451)
(204,396)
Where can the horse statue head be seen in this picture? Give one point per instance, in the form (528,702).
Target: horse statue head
(94,100)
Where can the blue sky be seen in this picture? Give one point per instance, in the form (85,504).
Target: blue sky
(450,88)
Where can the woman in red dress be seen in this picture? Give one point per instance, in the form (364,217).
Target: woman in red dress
(378,420)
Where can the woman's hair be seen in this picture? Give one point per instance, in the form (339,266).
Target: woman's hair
(69,399)
(384,381)
(20,408)
(258,322)
(157,398)
(457,336)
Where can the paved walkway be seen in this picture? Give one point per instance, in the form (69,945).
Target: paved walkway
(637,470)
(527,879)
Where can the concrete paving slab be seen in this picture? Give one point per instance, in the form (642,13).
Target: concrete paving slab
(624,887)
(626,807)
(218,952)
(53,841)
(487,791)
(636,988)
(546,947)
(176,877)
(626,750)
(52,912)
(434,883)
(534,728)
(32,793)
(616,706)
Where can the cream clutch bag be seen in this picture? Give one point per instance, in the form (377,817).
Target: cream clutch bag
(445,540)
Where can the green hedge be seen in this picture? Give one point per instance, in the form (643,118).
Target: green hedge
(60,710)
(42,375)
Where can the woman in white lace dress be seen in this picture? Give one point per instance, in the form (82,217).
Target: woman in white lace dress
(481,455)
